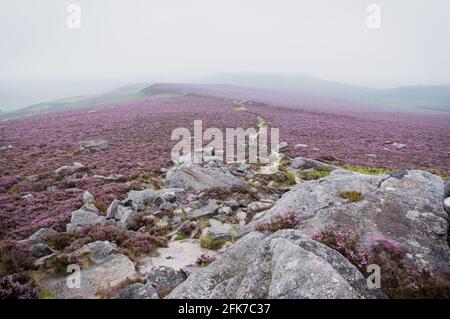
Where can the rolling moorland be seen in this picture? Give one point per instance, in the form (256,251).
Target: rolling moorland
(92,182)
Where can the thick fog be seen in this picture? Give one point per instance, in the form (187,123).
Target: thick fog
(119,42)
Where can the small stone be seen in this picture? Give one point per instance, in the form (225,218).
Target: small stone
(88,197)
(28,197)
(447,205)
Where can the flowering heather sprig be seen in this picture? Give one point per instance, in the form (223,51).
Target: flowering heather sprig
(283,221)
(15,257)
(345,243)
(17,286)
(401,277)
(204,260)
(187,228)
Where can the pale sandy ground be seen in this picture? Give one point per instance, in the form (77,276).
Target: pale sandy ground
(178,254)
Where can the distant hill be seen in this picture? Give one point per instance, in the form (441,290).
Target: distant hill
(410,98)
(125,93)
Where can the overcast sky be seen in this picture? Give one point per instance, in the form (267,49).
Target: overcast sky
(125,41)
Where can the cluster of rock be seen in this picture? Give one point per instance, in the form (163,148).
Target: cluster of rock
(406,206)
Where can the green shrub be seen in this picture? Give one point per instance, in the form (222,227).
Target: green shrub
(315,174)
(210,243)
(368,170)
(352,197)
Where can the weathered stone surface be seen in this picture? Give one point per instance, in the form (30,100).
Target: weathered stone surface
(447,205)
(98,250)
(42,234)
(447,189)
(95,144)
(138,199)
(189,176)
(406,207)
(138,291)
(88,197)
(81,219)
(107,270)
(210,210)
(306,163)
(164,278)
(285,265)
(39,250)
(122,215)
(257,207)
(218,230)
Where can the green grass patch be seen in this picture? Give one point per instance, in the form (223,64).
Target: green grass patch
(368,170)
(352,197)
(210,243)
(315,174)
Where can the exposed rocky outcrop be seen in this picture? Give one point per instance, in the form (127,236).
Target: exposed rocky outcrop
(285,265)
(164,279)
(198,178)
(104,270)
(138,291)
(81,219)
(406,207)
(306,163)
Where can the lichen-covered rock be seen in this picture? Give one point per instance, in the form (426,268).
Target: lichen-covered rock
(105,270)
(140,199)
(98,251)
(406,207)
(88,197)
(219,231)
(285,265)
(138,291)
(81,219)
(95,144)
(209,210)
(122,215)
(164,279)
(189,176)
(306,163)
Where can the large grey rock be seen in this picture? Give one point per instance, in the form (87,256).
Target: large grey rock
(306,163)
(88,197)
(189,176)
(210,210)
(39,250)
(447,189)
(218,230)
(259,206)
(447,205)
(406,207)
(42,234)
(122,215)
(82,219)
(69,168)
(98,251)
(139,199)
(138,291)
(95,144)
(285,265)
(164,279)
(106,270)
